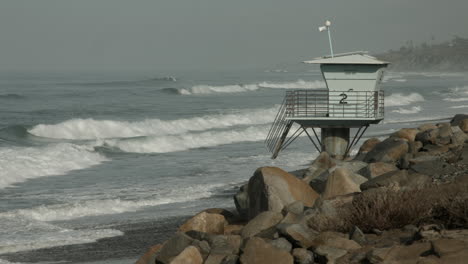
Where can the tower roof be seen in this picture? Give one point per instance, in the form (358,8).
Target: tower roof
(358,57)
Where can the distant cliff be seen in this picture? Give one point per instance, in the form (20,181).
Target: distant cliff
(448,56)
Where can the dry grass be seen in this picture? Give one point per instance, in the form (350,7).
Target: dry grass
(387,209)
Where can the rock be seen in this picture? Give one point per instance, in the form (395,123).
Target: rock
(414,147)
(335,240)
(298,234)
(233,229)
(399,254)
(428,232)
(464,125)
(321,164)
(291,218)
(389,150)
(203,247)
(459,137)
(189,255)
(231,259)
(368,145)
(357,235)
(460,234)
(271,188)
(406,133)
(340,183)
(228,215)
(303,256)
(296,207)
(376,169)
(457,119)
(205,222)
(353,166)
(397,179)
(215,259)
(241,200)
(445,133)
(427,127)
(226,245)
(261,222)
(428,136)
(281,243)
(445,247)
(432,167)
(257,251)
(150,256)
(173,247)
(329,254)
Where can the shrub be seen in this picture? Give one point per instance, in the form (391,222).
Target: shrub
(387,209)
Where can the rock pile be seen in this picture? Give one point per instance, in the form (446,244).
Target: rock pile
(283,218)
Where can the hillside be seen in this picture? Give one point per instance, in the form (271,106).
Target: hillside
(448,56)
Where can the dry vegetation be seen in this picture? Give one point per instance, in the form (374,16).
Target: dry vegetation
(445,205)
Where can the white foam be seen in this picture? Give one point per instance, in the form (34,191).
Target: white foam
(101,129)
(164,144)
(459,106)
(4,261)
(299,84)
(460,99)
(406,111)
(77,209)
(19,164)
(238,88)
(399,99)
(20,234)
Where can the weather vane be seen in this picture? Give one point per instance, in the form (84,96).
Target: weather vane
(327,28)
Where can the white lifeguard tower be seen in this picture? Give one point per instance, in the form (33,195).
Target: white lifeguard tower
(352,99)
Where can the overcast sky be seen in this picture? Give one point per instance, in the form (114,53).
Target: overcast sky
(61,35)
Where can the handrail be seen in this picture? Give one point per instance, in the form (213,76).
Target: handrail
(324,103)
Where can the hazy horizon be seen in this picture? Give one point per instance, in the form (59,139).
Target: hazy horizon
(117,35)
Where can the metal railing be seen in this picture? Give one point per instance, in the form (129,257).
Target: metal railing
(341,104)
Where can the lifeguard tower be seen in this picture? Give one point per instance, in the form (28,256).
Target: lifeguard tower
(352,99)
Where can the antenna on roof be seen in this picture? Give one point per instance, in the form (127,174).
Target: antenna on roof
(327,28)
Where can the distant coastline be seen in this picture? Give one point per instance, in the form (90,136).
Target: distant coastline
(447,56)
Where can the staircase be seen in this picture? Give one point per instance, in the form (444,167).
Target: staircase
(279,130)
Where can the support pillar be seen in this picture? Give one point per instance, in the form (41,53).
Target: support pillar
(335,141)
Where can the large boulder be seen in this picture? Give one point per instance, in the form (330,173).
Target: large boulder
(260,223)
(303,256)
(459,136)
(432,166)
(464,125)
(258,251)
(173,247)
(406,133)
(241,200)
(390,150)
(227,245)
(340,183)
(457,119)
(271,189)
(375,169)
(321,164)
(399,254)
(189,255)
(150,256)
(400,179)
(428,136)
(335,240)
(369,145)
(205,222)
(298,234)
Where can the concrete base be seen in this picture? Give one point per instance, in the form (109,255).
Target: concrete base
(335,141)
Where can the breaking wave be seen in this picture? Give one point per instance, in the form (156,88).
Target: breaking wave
(18,164)
(459,106)
(173,143)
(79,209)
(238,88)
(102,129)
(399,99)
(406,111)
(21,234)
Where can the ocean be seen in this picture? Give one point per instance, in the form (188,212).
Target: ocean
(95,168)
